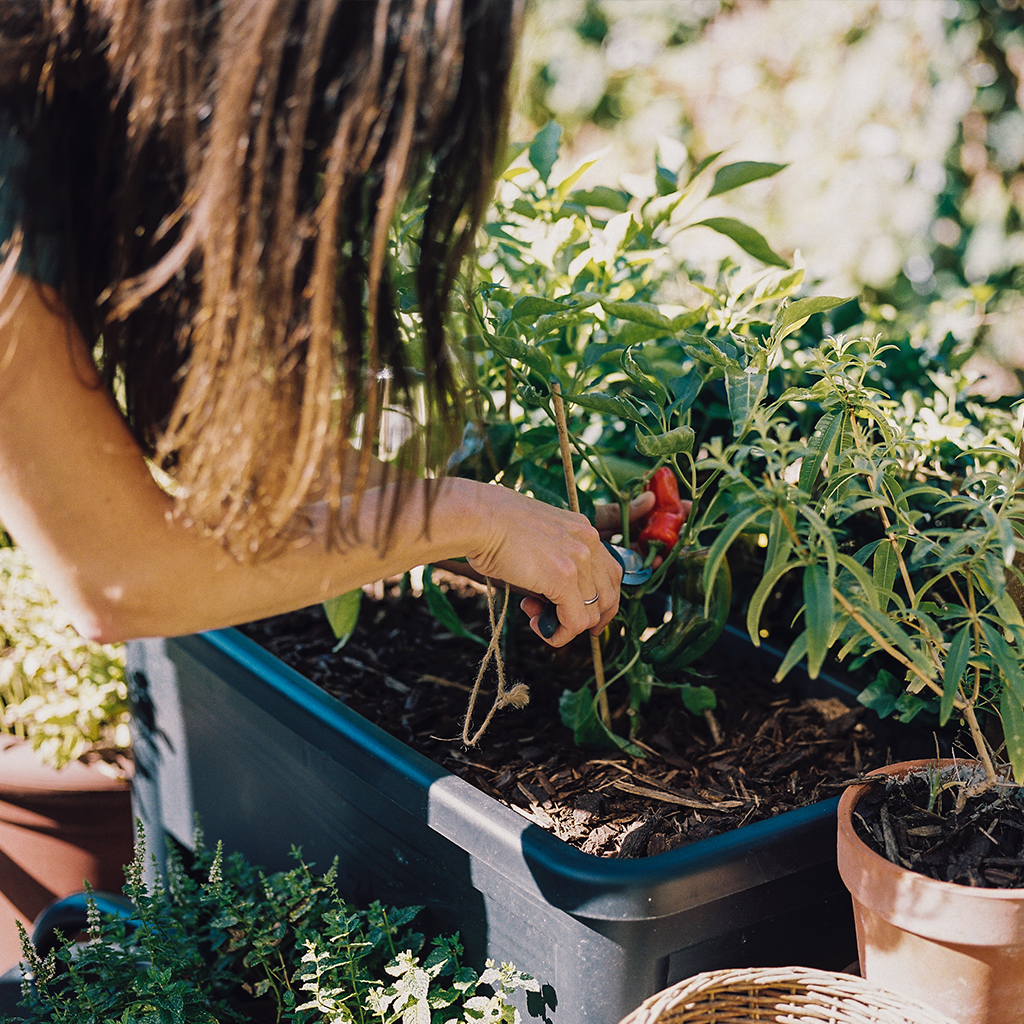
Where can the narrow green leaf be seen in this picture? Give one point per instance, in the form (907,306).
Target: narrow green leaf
(705,163)
(956,664)
(1011,713)
(729,532)
(442,610)
(343,614)
(866,582)
(562,188)
(797,651)
(672,442)
(685,321)
(825,433)
(734,175)
(1006,658)
(544,149)
(818,616)
(884,567)
(761,594)
(745,237)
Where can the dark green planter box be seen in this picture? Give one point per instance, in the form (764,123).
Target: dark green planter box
(267,760)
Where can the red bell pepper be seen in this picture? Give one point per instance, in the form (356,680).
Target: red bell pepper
(666,519)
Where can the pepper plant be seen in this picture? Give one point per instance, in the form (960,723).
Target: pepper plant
(904,559)
(587,292)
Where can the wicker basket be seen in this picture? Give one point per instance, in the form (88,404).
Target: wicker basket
(780,995)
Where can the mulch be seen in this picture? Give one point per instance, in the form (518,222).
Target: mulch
(978,844)
(765,750)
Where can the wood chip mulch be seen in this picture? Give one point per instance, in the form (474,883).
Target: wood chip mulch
(765,751)
(980,844)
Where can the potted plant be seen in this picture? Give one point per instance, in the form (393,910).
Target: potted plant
(573,293)
(905,562)
(223,941)
(65,802)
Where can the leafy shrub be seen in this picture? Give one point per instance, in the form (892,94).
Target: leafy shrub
(224,942)
(66,695)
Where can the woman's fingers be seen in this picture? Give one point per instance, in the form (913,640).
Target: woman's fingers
(552,553)
(608,518)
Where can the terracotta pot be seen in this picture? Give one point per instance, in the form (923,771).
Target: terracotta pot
(57,829)
(954,947)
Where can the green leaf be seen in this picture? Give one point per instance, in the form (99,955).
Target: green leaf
(761,593)
(705,163)
(881,695)
(672,442)
(794,315)
(685,321)
(884,567)
(734,175)
(442,610)
(603,197)
(562,188)
(1006,658)
(636,373)
(744,392)
(698,699)
(639,312)
(530,307)
(797,651)
(745,237)
(343,614)
(544,149)
(685,390)
(1011,713)
(956,664)
(607,404)
(818,616)
(826,431)
(577,709)
(729,532)
(514,348)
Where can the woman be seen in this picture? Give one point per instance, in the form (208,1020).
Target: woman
(195,204)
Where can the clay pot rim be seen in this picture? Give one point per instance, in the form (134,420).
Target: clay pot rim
(877,862)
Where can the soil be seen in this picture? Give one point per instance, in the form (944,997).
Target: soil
(980,844)
(765,751)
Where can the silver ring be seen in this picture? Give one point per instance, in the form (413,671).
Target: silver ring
(594,599)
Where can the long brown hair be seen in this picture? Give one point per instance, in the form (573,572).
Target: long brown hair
(226,174)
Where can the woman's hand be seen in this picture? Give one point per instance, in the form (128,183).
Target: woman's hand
(551,553)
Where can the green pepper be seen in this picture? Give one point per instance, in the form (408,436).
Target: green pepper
(689,634)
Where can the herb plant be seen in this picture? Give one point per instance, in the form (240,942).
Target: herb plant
(221,942)
(904,554)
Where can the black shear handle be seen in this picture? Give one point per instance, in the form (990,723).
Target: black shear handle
(547,621)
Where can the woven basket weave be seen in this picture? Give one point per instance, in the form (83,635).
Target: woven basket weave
(780,995)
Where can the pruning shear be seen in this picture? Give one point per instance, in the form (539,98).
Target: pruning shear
(633,572)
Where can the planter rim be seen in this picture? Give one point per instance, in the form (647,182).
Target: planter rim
(23,775)
(946,911)
(583,884)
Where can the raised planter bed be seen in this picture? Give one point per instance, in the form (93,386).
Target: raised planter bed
(266,759)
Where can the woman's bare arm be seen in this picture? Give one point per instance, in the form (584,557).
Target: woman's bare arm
(76,493)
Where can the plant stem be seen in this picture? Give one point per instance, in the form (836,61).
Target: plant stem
(980,745)
(574,504)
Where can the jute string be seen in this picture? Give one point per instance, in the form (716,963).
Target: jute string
(518,696)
